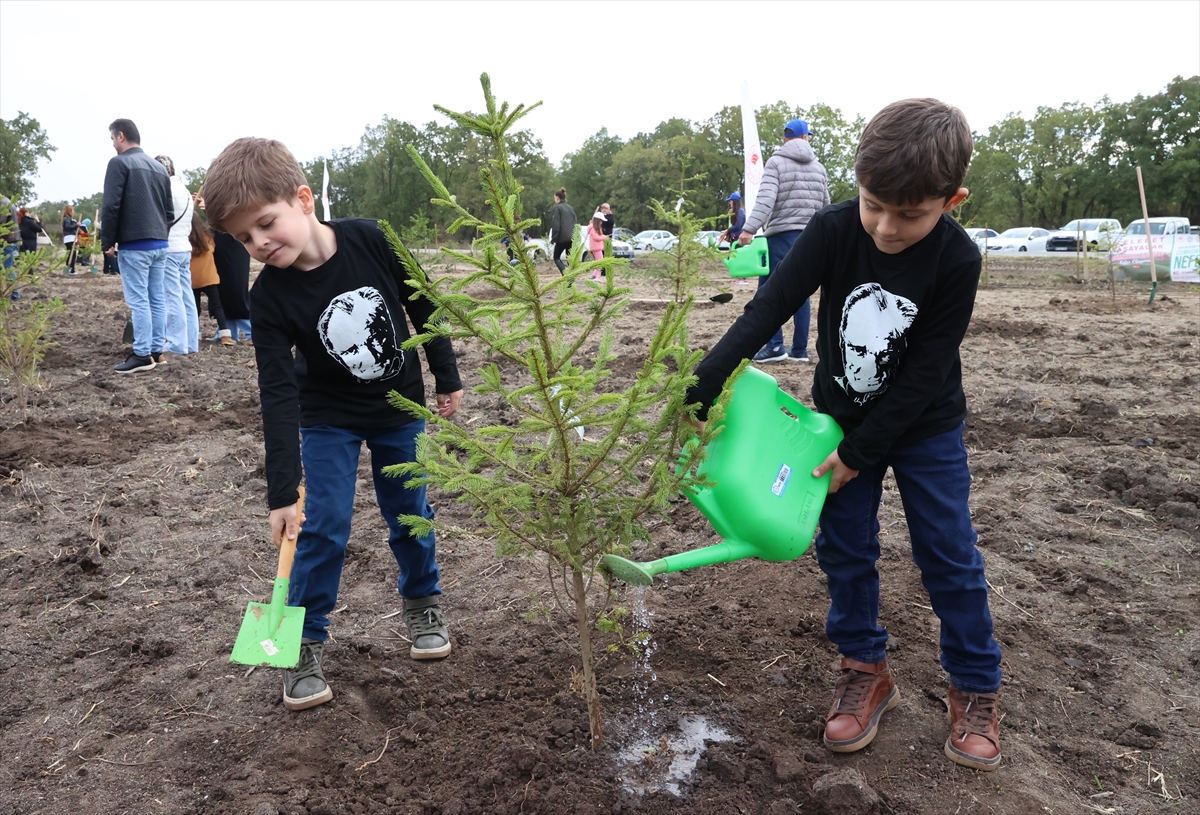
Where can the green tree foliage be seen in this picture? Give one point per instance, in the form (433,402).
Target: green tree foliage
(22,143)
(1079,161)
(377,179)
(585,174)
(1160,134)
(193,179)
(578,466)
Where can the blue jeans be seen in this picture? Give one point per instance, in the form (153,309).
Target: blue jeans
(10,254)
(183,323)
(330,456)
(778,245)
(934,484)
(142,276)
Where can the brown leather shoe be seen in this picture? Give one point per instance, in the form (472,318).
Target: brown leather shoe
(860,697)
(974,729)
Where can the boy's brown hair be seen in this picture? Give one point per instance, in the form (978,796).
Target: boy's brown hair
(249,173)
(912,150)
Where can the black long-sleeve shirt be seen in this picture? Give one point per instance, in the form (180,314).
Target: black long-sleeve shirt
(345,320)
(889,329)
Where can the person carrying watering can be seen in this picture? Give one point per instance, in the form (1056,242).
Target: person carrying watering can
(333,291)
(794,187)
(897,277)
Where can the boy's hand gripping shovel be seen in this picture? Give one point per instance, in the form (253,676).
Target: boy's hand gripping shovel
(270,634)
(765,502)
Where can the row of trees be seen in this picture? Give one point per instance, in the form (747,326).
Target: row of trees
(1078,161)
(1073,161)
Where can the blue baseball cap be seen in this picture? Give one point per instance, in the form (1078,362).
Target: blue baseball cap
(734,196)
(795,128)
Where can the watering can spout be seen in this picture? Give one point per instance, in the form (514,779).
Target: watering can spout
(764,500)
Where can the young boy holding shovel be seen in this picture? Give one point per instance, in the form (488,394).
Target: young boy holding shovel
(335,292)
(897,277)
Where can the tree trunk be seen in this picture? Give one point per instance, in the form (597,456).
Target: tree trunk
(583,622)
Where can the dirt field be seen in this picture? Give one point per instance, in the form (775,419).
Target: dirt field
(133,533)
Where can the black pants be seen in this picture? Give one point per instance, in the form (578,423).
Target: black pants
(559,248)
(215,308)
(110,264)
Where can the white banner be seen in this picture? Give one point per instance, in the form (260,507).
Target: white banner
(1185,258)
(325,192)
(753,151)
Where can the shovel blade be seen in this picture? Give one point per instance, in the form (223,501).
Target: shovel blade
(259,642)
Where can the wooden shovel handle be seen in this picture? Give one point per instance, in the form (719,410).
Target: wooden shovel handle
(287,547)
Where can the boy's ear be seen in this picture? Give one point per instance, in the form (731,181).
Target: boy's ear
(308,204)
(953,202)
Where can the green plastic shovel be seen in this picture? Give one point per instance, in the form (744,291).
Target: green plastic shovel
(765,502)
(270,633)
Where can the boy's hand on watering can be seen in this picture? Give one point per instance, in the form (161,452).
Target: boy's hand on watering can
(744,239)
(284,521)
(841,473)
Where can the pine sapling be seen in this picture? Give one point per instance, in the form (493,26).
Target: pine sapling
(577,466)
(680,269)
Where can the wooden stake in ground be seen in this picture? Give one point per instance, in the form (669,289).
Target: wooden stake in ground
(1149,242)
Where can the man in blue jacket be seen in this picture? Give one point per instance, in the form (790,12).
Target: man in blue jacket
(137,214)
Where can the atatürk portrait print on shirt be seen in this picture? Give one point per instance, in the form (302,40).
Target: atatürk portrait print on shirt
(873,328)
(357,330)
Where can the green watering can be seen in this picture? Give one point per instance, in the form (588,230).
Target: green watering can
(748,261)
(764,501)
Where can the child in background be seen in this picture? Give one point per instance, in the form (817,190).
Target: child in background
(204,275)
(595,240)
(335,293)
(69,229)
(897,276)
(83,242)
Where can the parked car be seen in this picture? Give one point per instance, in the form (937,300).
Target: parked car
(1168,235)
(651,239)
(620,248)
(709,238)
(1019,239)
(620,233)
(1099,233)
(980,235)
(540,247)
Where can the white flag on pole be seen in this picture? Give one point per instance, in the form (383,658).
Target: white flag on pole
(753,151)
(325,192)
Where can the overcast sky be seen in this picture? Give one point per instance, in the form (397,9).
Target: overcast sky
(195,76)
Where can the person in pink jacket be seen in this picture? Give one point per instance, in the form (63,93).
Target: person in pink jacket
(595,239)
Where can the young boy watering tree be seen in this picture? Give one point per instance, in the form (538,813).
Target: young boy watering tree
(897,277)
(336,293)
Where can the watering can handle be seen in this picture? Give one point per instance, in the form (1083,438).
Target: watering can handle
(287,548)
(794,405)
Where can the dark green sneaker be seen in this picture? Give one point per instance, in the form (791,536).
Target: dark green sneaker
(427,627)
(304,686)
